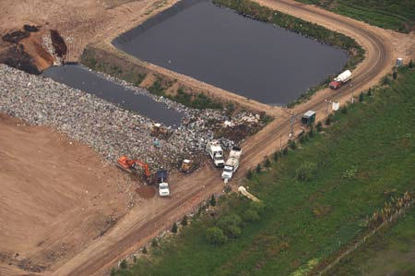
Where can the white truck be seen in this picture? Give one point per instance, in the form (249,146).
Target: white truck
(161,179)
(216,153)
(164,189)
(231,164)
(341,79)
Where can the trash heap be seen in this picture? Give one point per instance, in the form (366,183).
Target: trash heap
(110,130)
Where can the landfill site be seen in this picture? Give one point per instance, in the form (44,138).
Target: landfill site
(86,181)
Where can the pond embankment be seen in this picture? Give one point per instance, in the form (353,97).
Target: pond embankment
(132,98)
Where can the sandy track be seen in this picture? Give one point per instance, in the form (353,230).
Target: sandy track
(142,224)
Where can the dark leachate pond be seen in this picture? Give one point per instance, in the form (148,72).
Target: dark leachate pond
(216,45)
(80,77)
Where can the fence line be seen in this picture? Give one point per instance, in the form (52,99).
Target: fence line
(356,245)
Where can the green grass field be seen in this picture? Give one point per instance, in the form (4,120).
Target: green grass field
(390,252)
(389,14)
(356,165)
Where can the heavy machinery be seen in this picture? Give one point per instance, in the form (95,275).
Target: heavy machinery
(231,164)
(186,166)
(341,79)
(159,178)
(132,166)
(216,153)
(159,131)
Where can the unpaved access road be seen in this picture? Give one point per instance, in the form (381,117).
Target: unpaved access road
(140,225)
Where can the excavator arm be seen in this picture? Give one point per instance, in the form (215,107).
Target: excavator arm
(143,165)
(125,163)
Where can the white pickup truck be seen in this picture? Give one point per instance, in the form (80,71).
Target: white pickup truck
(161,179)
(216,153)
(232,164)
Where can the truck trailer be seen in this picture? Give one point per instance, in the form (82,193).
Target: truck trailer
(231,164)
(341,79)
(215,152)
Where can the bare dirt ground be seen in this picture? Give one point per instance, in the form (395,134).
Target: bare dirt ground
(81,22)
(78,21)
(56,196)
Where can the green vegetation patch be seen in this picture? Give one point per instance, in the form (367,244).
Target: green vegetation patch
(199,101)
(98,61)
(119,68)
(390,252)
(315,199)
(389,14)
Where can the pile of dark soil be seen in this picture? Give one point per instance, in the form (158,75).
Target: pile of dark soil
(15,56)
(58,43)
(16,36)
(31,28)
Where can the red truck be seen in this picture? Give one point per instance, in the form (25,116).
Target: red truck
(341,79)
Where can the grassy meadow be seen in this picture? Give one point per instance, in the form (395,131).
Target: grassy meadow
(389,14)
(390,252)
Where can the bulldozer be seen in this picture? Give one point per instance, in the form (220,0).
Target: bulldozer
(159,131)
(132,166)
(188,166)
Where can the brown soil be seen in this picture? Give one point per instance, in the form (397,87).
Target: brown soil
(56,197)
(146,191)
(78,21)
(33,47)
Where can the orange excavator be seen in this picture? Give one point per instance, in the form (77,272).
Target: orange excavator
(131,166)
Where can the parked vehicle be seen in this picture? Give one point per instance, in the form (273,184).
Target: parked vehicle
(341,79)
(161,179)
(232,164)
(308,118)
(164,189)
(215,152)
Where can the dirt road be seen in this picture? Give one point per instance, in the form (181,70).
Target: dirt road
(142,224)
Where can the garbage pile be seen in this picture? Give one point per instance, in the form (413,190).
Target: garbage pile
(110,130)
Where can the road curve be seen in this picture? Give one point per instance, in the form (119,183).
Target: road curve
(140,225)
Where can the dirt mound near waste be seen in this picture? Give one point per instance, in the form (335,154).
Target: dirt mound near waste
(146,191)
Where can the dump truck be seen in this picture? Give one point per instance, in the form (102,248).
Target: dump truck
(341,79)
(215,152)
(231,164)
